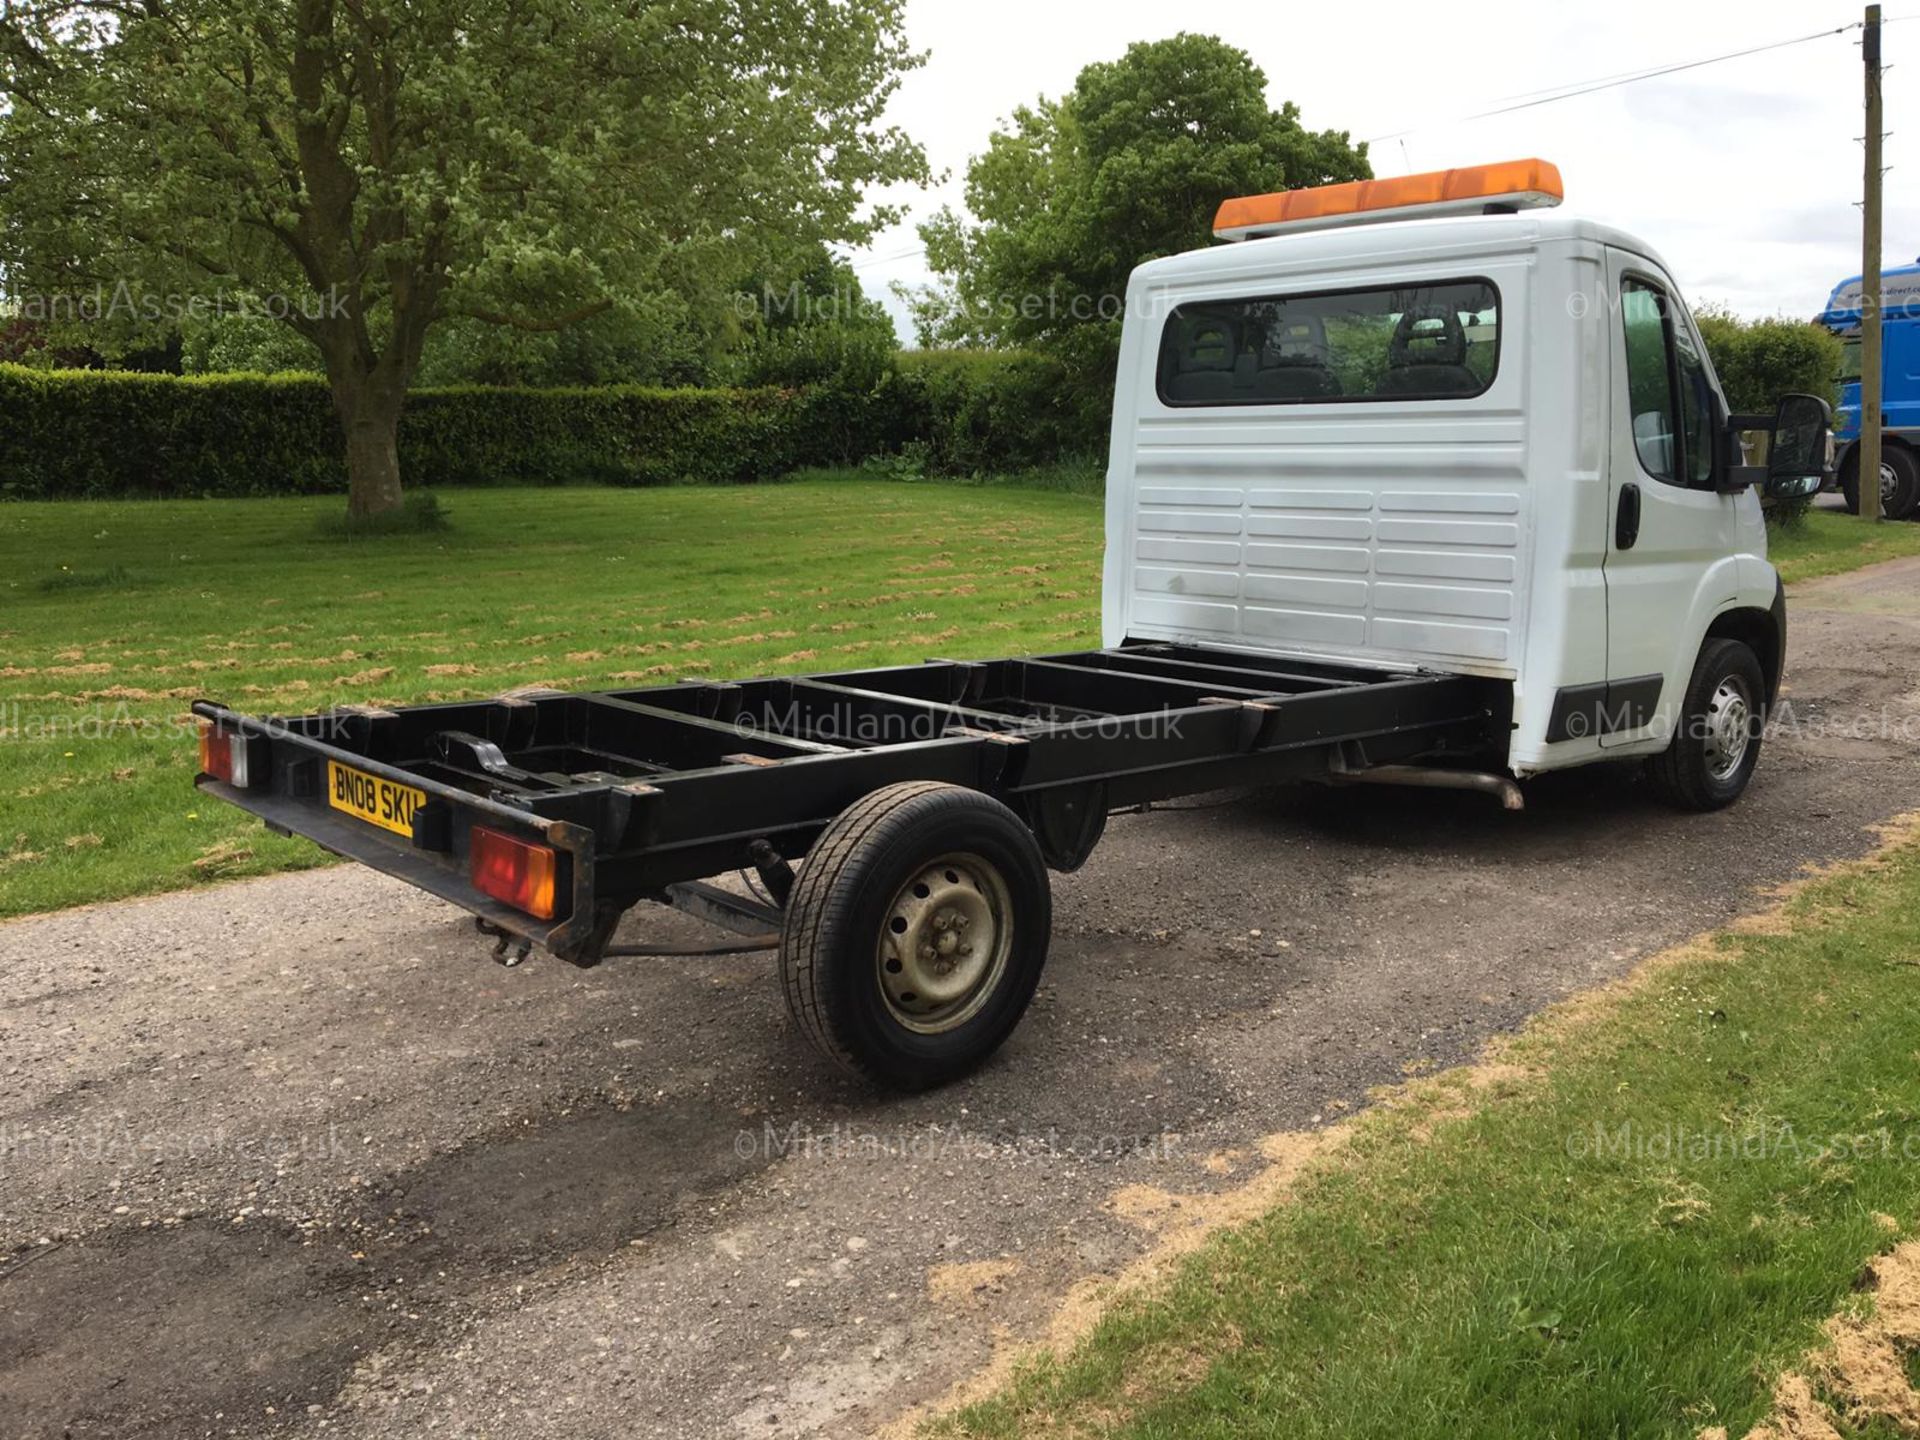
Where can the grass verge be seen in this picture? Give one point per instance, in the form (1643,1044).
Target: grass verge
(1831,542)
(1630,1223)
(114,615)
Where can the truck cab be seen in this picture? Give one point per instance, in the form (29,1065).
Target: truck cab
(1441,425)
(1900,388)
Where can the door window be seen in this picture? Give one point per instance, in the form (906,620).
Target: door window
(1850,352)
(1696,408)
(1670,397)
(1649,379)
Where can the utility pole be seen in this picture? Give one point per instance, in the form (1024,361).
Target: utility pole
(1870,324)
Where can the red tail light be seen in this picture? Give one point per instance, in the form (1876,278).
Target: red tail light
(513,871)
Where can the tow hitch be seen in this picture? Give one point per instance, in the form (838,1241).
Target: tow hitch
(508,948)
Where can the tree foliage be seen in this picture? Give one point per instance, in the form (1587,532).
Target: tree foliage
(1129,165)
(1758,361)
(366,170)
(817,327)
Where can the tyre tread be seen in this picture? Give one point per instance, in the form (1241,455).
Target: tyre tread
(817,907)
(1674,771)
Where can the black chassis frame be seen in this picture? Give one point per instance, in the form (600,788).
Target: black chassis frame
(641,791)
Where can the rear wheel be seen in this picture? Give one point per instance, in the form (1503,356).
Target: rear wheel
(1899,482)
(915,934)
(1716,741)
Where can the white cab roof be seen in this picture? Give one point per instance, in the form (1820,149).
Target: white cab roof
(1385,241)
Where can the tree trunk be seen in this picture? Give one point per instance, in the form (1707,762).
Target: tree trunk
(369,412)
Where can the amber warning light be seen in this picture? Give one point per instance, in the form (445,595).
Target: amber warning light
(1469,190)
(224,756)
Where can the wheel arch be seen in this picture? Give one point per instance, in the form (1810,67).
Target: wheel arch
(1762,631)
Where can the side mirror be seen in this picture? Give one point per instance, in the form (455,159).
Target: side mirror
(1797,455)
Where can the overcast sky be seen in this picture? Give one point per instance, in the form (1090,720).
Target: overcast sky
(1743,174)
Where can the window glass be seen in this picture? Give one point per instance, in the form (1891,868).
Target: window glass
(1696,407)
(1649,382)
(1415,342)
(1850,361)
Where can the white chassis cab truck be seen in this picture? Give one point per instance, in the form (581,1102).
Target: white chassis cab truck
(1417,482)
(1440,432)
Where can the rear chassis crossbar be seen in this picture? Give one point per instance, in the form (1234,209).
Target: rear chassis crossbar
(640,792)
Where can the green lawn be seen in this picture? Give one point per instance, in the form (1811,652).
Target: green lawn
(113,616)
(1829,542)
(1636,1231)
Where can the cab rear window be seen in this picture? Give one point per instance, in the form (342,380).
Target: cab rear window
(1418,342)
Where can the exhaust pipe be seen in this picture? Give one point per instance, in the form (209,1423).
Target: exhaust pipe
(1430,777)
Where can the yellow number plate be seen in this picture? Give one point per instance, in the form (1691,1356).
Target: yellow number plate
(369,798)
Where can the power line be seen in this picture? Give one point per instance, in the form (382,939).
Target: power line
(1569,86)
(884,259)
(1529,99)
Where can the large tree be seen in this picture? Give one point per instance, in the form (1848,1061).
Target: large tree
(366,169)
(1129,165)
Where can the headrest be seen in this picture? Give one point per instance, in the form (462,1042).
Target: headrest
(1296,342)
(1428,335)
(1209,345)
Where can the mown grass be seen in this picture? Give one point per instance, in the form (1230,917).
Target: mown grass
(113,615)
(1638,1229)
(250,603)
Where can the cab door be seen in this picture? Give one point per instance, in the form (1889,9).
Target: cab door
(1670,526)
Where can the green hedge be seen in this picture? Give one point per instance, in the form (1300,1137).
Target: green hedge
(623,435)
(93,433)
(83,433)
(981,411)
(1758,361)
(69,434)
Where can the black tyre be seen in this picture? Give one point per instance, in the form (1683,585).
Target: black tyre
(915,934)
(1716,740)
(1899,482)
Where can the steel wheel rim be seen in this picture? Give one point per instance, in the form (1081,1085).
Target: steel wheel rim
(1729,727)
(1889,482)
(944,943)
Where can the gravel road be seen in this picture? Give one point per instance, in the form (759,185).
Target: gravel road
(294,1156)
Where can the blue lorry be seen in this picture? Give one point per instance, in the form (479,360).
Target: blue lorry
(1900,398)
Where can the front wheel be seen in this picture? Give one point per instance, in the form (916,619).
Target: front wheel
(915,934)
(1716,739)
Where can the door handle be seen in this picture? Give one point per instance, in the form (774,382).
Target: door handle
(1626,520)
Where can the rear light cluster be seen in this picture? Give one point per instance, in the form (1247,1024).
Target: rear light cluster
(223,755)
(514,871)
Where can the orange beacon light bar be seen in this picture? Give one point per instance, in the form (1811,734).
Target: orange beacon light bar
(1468,190)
